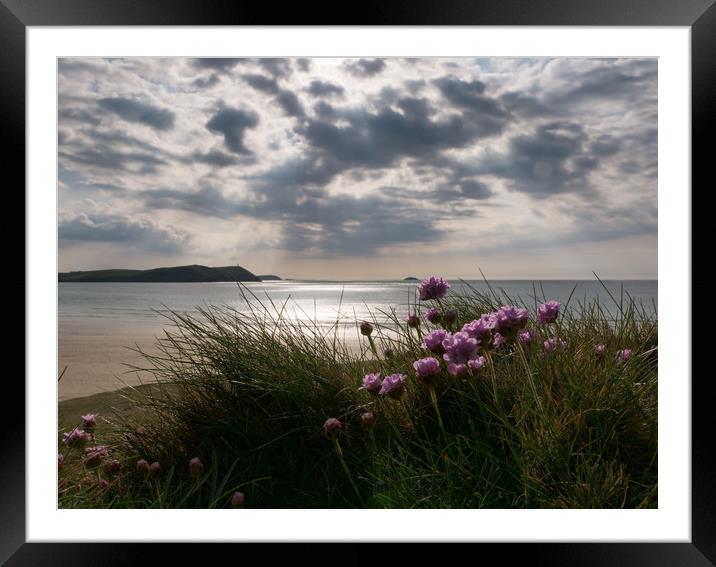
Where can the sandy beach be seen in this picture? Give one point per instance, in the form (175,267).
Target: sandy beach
(96,352)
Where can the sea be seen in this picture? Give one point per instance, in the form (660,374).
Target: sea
(321,303)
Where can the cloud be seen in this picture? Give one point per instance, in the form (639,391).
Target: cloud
(378,139)
(106,158)
(276,66)
(206,83)
(550,160)
(304,64)
(139,112)
(207,201)
(324,88)
(286,99)
(605,145)
(214,157)
(627,79)
(116,228)
(217,63)
(365,67)
(80,115)
(336,158)
(232,123)
(485,113)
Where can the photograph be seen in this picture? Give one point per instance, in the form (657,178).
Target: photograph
(357,282)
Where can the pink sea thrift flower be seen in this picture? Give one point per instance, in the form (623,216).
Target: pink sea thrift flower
(481,328)
(94,455)
(547,312)
(459,348)
(498,340)
(476,363)
(624,355)
(599,350)
(196,467)
(367,420)
(238,499)
(511,317)
(434,340)
(427,369)
(525,337)
(76,437)
(393,386)
(89,421)
(332,428)
(142,466)
(553,344)
(413,320)
(372,383)
(432,287)
(433,315)
(155,468)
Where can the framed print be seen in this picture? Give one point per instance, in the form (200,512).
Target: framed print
(388,280)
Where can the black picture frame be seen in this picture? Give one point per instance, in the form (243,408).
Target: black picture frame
(699,15)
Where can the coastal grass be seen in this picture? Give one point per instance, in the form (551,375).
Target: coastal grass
(248,393)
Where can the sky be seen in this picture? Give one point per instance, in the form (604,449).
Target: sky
(351,168)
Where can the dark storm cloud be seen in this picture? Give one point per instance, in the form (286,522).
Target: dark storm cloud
(550,160)
(104,227)
(484,112)
(365,67)
(324,88)
(139,112)
(286,99)
(232,123)
(378,139)
(290,104)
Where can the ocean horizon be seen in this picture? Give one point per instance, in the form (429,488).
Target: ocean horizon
(320,301)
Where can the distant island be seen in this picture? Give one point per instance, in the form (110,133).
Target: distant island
(411,279)
(269,278)
(178,274)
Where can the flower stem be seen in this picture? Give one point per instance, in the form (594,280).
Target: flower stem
(434,398)
(339,452)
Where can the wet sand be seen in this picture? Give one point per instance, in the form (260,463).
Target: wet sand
(96,352)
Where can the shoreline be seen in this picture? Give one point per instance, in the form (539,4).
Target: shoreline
(96,354)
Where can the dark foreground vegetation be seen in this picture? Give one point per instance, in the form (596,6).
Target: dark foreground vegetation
(474,401)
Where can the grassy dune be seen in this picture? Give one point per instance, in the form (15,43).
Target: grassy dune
(249,394)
